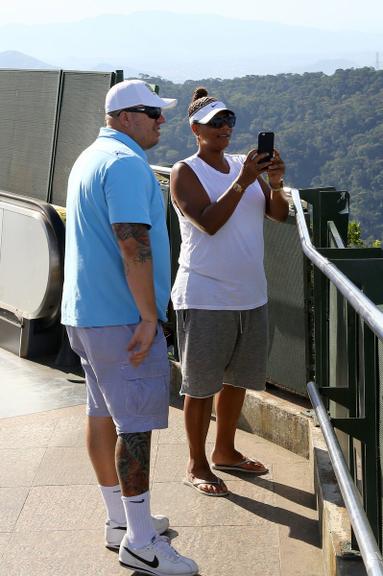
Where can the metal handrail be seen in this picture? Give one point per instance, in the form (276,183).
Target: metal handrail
(374,318)
(161,169)
(359,301)
(367,544)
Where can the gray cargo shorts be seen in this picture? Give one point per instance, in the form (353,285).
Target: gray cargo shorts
(137,399)
(219,347)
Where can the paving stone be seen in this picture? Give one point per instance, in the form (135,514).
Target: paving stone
(256,447)
(62,508)
(11,503)
(26,432)
(247,505)
(19,467)
(4,539)
(63,466)
(229,551)
(176,434)
(172,461)
(299,549)
(298,530)
(69,431)
(59,553)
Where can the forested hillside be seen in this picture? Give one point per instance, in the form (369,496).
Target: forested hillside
(329,130)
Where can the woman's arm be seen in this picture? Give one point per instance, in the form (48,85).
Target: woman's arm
(277,204)
(193,201)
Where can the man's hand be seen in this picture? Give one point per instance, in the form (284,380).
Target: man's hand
(141,341)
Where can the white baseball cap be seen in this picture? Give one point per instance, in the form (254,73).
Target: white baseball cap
(203,115)
(134,93)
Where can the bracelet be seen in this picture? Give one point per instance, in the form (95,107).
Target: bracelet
(280,187)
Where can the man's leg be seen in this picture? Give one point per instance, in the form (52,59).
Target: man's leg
(139,544)
(102,446)
(133,467)
(101,440)
(141,547)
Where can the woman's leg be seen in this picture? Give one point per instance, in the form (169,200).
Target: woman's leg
(228,405)
(197,413)
(245,366)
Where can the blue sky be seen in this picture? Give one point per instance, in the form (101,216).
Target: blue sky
(366,15)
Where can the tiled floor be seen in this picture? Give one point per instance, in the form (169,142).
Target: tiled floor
(51,514)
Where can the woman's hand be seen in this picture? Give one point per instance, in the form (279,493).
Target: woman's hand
(276,170)
(253,167)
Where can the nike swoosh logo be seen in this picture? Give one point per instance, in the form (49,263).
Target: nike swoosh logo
(137,501)
(152,563)
(214,105)
(116,491)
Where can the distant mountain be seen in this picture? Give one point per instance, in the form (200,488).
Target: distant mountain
(328,66)
(14,59)
(129,72)
(187,46)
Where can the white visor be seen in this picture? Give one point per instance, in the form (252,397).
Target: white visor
(203,115)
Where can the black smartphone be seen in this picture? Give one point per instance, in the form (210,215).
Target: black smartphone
(266,145)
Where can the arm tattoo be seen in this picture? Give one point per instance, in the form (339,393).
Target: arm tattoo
(139,233)
(133,462)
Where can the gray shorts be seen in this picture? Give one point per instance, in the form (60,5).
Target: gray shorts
(136,398)
(219,347)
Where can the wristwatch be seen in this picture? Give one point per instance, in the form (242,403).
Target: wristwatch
(280,187)
(237,187)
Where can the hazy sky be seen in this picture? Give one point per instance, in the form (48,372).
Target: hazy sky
(364,15)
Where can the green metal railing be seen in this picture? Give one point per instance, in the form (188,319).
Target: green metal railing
(347,291)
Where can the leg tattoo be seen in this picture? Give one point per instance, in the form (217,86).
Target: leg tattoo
(133,462)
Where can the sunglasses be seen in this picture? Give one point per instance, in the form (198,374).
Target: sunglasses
(220,121)
(154,112)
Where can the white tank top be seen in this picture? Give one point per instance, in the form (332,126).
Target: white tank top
(224,271)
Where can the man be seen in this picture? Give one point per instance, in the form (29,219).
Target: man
(116,290)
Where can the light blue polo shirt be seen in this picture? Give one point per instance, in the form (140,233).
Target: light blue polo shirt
(110,182)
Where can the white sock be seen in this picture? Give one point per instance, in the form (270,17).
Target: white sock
(139,524)
(113,504)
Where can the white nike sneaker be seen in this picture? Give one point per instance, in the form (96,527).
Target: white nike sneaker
(115,533)
(158,558)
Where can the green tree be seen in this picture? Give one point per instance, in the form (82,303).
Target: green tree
(354,234)
(329,130)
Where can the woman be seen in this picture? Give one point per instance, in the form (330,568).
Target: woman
(220,292)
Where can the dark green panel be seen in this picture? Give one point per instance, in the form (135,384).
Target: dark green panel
(80,118)
(27,119)
(286,277)
(365,274)
(380,422)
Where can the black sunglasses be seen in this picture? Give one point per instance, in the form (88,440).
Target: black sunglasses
(220,121)
(154,112)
